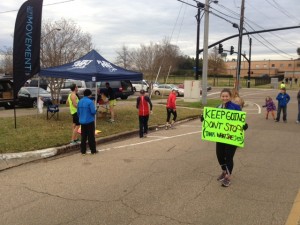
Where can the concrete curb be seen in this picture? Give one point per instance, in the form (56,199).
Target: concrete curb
(10,160)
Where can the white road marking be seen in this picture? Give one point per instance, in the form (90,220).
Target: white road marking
(159,138)
(146,142)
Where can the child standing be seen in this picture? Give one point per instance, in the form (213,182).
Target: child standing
(235,98)
(283,99)
(225,152)
(270,106)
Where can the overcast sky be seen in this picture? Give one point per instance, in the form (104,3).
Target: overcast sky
(115,23)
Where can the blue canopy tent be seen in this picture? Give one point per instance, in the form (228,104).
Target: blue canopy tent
(91,67)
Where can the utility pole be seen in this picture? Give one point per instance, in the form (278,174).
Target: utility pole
(249,67)
(241,28)
(198,17)
(205,53)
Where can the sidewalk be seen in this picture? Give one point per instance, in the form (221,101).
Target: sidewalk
(11,160)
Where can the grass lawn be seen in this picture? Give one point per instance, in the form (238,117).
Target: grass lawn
(35,133)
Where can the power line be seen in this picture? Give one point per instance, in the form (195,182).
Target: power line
(270,48)
(261,28)
(56,3)
(282,10)
(227,9)
(276,35)
(278,50)
(183,17)
(225,14)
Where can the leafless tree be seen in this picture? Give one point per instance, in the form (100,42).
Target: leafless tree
(216,64)
(7,60)
(62,42)
(124,58)
(152,58)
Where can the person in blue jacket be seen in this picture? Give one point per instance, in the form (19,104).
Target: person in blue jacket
(86,112)
(283,99)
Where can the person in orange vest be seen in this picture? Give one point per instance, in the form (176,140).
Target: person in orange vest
(142,104)
(171,109)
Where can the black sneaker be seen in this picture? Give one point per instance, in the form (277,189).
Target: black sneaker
(276,120)
(221,177)
(226,182)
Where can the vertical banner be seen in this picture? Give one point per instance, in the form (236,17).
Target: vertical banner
(26,47)
(223,125)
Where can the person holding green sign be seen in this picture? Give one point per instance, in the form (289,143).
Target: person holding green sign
(225,152)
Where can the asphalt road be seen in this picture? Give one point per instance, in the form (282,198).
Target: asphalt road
(167,178)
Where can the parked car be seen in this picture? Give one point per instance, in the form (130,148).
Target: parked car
(35,83)
(6,92)
(122,88)
(165,89)
(65,89)
(208,88)
(182,86)
(140,85)
(27,96)
(155,84)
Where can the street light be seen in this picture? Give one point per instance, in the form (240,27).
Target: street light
(205,45)
(198,18)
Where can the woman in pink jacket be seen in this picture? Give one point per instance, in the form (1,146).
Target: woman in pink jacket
(171,109)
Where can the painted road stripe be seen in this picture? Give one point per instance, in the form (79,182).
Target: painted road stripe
(145,142)
(294,217)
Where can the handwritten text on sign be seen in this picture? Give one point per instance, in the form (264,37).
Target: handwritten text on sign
(223,125)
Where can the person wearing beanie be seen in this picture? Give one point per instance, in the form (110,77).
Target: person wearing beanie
(86,113)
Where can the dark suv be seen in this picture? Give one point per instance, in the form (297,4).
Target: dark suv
(6,92)
(122,88)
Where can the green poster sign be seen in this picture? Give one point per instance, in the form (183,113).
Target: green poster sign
(223,125)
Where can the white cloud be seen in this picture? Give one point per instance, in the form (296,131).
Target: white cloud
(131,23)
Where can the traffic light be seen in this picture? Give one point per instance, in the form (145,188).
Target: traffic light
(231,50)
(220,48)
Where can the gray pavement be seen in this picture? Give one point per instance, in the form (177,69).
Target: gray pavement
(167,178)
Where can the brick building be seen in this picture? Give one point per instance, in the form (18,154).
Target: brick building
(288,68)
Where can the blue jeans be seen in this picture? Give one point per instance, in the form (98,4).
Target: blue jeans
(283,108)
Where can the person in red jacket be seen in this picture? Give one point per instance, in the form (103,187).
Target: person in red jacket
(142,104)
(171,109)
